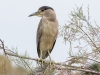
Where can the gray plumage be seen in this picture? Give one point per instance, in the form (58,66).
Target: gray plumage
(47,31)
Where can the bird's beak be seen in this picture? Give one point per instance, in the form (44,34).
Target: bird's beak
(34,14)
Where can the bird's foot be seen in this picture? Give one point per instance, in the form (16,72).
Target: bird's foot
(51,63)
(38,62)
(42,61)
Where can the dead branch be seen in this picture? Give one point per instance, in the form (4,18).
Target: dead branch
(65,66)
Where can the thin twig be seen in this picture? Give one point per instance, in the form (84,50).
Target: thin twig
(78,69)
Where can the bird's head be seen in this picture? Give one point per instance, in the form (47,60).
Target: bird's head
(41,11)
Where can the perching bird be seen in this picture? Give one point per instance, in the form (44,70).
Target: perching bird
(47,31)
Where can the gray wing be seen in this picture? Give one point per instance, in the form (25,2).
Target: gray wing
(39,33)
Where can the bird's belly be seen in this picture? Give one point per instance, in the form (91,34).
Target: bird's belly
(47,39)
(46,45)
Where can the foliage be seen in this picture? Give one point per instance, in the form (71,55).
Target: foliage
(83,38)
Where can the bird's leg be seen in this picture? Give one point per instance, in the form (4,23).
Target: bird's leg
(41,58)
(50,58)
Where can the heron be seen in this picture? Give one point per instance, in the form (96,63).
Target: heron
(47,31)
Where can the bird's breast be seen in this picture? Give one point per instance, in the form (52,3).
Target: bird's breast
(49,30)
(48,37)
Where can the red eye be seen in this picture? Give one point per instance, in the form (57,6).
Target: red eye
(42,10)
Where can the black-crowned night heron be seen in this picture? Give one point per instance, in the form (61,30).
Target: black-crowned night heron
(47,31)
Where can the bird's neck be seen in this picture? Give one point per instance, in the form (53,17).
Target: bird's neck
(51,16)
